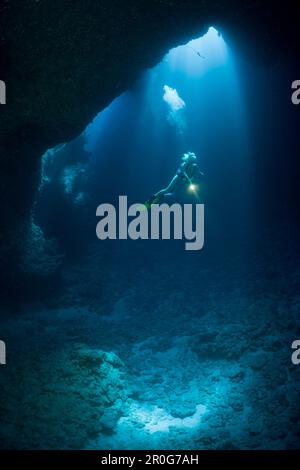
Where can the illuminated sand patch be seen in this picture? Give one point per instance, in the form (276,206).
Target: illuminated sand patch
(158,420)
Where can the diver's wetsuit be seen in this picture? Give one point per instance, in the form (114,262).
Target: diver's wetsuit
(184,174)
(186,171)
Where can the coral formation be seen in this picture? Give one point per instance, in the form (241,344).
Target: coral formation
(67,397)
(210,372)
(40,256)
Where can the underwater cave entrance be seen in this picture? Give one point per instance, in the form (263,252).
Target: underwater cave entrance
(190,101)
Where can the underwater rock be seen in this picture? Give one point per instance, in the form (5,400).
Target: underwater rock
(39,255)
(71,174)
(62,178)
(110,418)
(182,410)
(67,397)
(257,360)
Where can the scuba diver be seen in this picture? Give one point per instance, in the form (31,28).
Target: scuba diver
(183,177)
(197,52)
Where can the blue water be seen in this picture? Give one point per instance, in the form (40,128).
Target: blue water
(141,344)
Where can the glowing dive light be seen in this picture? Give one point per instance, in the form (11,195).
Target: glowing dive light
(192,187)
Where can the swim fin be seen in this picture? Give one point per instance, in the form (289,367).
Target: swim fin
(152,200)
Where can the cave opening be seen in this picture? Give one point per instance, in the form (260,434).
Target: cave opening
(190,101)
